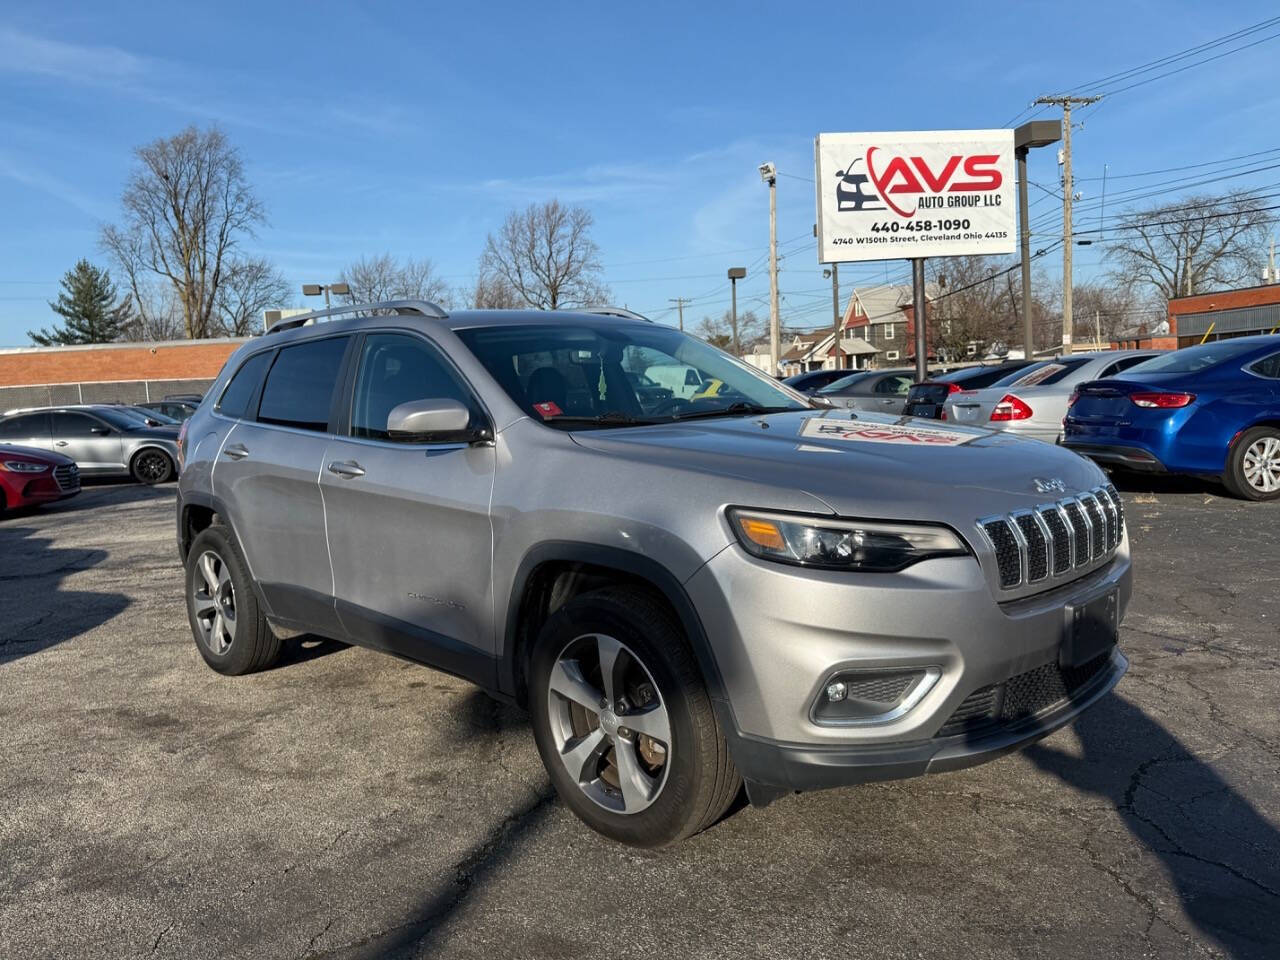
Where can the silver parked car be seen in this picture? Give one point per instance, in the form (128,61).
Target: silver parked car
(1032,401)
(687,594)
(104,439)
(876,391)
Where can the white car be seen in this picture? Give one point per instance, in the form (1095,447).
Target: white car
(683,381)
(1032,401)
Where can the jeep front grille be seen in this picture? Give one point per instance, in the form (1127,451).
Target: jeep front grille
(1052,540)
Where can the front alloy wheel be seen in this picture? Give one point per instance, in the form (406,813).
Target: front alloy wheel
(610,726)
(1261,464)
(213,603)
(152,467)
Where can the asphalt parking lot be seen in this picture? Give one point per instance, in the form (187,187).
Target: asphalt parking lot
(349,805)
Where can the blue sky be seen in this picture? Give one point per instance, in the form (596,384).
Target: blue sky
(415,127)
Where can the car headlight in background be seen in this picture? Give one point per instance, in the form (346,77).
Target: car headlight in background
(23,466)
(868,545)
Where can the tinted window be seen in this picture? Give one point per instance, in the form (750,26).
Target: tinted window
(895,384)
(235,399)
(1268,367)
(299,388)
(74,426)
(29,426)
(397,368)
(1119,365)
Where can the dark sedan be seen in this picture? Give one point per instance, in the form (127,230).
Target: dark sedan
(876,391)
(814,380)
(927,399)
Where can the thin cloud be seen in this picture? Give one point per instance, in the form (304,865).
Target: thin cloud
(60,189)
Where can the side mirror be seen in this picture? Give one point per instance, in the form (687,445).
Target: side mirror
(439,420)
(820,402)
(100,431)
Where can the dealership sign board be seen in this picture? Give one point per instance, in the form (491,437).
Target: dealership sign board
(890,196)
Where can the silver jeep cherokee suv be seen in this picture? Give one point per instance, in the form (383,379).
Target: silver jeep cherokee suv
(686,592)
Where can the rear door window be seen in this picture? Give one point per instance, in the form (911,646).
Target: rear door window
(236,398)
(300,386)
(1268,367)
(29,426)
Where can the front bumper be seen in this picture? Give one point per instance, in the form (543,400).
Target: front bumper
(780,633)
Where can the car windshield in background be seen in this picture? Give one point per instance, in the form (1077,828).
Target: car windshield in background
(628,374)
(122,418)
(836,386)
(1195,359)
(1042,375)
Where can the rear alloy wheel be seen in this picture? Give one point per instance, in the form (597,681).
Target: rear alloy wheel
(1253,465)
(151,467)
(623,721)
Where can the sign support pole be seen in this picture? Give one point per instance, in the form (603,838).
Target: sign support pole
(919,309)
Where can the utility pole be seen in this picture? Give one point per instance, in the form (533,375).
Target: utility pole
(1066,102)
(919,309)
(679,302)
(835,315)
(735,274)
(769,174)
(1190,287)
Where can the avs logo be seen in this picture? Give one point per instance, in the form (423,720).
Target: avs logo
(890,181)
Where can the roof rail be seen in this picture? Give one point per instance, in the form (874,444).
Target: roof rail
(423,308)
(621,312)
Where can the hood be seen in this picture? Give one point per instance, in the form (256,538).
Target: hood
(165,431)
(31,453)
(864,464)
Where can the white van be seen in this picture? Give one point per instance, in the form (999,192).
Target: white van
(682,380)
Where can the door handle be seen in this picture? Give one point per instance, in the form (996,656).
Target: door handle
(237,451)
(60,443)
(346,469)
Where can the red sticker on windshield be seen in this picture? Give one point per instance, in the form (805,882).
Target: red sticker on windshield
(547,409)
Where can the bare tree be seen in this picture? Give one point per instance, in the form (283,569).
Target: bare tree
(250,286)
(384,277)
(724,333)
(187,206)
(492,293)
(545,254)
(1194,244)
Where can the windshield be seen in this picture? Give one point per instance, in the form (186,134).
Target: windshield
(575,374)
(1195,359)
(123,418)
(835,386)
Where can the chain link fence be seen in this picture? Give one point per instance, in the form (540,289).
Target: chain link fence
(113,391)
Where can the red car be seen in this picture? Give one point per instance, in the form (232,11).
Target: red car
(29,477)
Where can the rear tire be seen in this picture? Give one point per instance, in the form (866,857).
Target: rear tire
(151,466)
(1253,465)
(646,789)
(222,608)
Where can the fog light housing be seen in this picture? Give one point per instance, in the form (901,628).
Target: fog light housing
(868,697)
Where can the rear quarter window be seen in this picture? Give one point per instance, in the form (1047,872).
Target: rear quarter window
(235,399)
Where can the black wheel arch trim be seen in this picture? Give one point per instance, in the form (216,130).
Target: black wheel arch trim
(634,565)
(215,504)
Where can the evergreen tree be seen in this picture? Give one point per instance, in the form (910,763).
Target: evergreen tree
(88,305)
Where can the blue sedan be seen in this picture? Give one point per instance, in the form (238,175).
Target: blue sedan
(1211,410)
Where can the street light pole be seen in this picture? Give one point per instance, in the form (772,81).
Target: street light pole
(1035,133)
(835,315)
(735,274)
(920,309)
(769,174)
(315,289)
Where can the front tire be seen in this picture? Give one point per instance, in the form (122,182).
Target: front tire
(151,467)
(228,626)
(623,721)
(1253,465)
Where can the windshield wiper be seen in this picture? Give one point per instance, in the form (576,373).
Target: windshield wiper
(610,418)
(739,408)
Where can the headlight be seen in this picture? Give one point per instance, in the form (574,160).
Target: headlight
(23,466)
(842,544)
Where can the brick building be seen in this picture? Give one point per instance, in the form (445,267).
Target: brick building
(1219,315)
(108,372)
